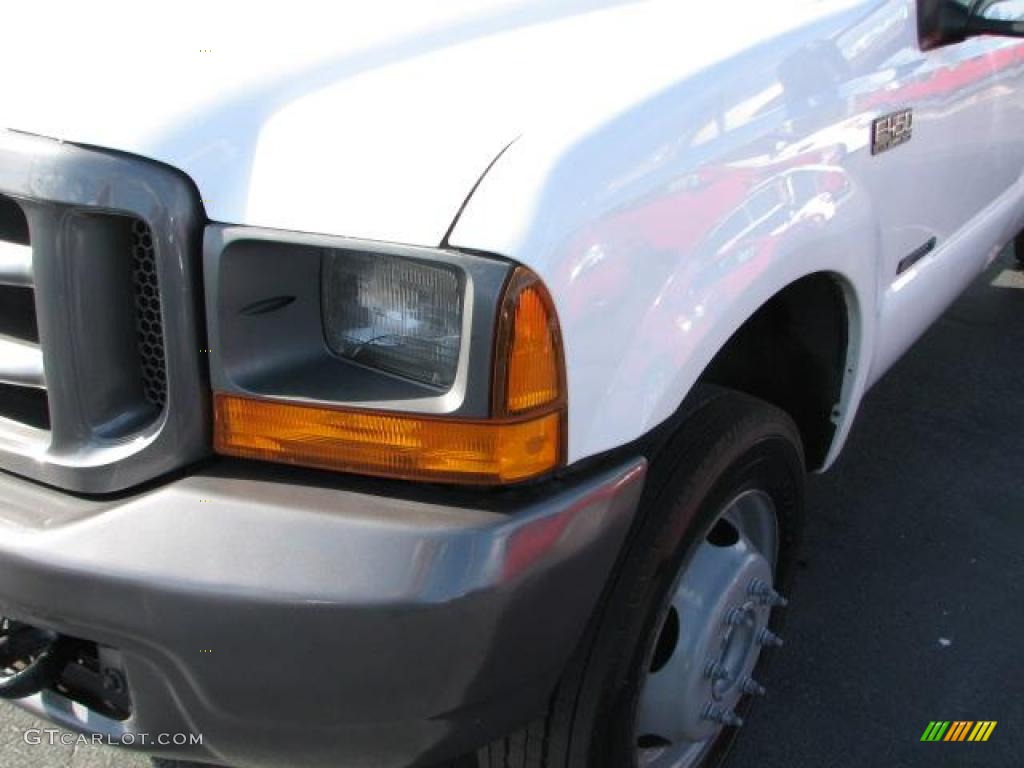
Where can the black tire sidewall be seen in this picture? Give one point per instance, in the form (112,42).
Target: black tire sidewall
(746,445)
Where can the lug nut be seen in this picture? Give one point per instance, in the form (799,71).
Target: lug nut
(767,637)
(764,593)
(716,671)
(722,716)
(737,617)
(752,687)
(758,587)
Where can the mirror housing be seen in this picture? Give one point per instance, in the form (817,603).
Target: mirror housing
(946,22)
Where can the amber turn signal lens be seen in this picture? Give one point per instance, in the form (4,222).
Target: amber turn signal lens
(388,444)
(529,373)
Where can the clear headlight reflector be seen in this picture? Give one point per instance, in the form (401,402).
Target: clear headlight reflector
(393,314)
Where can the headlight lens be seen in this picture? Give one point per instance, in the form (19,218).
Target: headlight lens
(393,314)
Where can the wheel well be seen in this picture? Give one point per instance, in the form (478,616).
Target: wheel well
(792,353)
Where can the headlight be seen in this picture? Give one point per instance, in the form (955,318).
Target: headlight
(382,360)
(393,314)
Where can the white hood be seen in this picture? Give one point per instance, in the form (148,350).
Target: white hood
(371,119)
(348,117)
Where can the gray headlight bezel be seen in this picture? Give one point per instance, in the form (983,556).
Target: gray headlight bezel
(271,352)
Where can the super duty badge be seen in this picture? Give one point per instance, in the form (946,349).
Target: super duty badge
(889,131)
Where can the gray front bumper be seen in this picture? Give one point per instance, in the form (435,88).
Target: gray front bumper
(317,625)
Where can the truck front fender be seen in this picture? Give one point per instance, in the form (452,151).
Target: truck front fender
(655,260)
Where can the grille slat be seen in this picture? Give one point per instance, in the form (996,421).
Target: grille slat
(15,264)
(21,363)
(23,396)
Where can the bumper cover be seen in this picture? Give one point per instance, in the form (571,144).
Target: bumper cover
(316,624)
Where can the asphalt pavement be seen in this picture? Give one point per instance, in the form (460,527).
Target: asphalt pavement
(909,605)
(909,601)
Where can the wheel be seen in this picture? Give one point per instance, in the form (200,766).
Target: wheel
(668,669)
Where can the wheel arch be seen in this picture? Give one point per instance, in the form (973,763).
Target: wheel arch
(797,351)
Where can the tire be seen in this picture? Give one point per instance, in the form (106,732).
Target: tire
(731,447)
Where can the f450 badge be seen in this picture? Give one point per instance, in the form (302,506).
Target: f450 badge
(889,131)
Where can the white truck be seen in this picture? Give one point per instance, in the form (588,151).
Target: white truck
(398,383)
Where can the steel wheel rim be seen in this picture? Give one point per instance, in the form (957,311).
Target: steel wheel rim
(713,629)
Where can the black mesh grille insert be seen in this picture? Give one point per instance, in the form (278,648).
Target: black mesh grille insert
(148,320)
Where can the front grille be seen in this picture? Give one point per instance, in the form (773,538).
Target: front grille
(22,383)
(115,271)
(100,378)
(148,316)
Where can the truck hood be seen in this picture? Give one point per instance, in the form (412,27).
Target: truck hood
(352,118)
(370,119)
